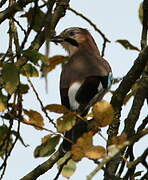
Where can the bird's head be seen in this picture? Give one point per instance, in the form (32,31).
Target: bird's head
(75,38)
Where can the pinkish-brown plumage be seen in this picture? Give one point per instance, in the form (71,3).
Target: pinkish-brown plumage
(86,75)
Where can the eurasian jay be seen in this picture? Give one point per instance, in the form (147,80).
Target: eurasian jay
(86,76)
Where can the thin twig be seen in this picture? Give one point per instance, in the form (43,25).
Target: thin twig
(11,10)
(41,104)
(2,2)
(94,26)
(133,164)
(143,125)
(18,23)
(45,129)
(90,22)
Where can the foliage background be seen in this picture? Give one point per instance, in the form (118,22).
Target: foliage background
(118,20)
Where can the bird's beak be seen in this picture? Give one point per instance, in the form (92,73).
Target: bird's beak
(60,39)
(57,39)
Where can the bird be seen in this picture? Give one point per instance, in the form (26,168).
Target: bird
(84,79)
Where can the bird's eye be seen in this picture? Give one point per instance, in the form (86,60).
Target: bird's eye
(72,33)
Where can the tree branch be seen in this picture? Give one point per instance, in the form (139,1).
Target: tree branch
(124,87)
(40,101)
(90,22)
(145,24)
(44,167)
(11,10)
(133,116)
(138,102)
(108,158)
(133,164)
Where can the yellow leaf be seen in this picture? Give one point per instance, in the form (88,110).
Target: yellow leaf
(57,108)
(53,62)
(66,122)
(35,118)
(103,113)
(2,106)
(3,102)
(95,152)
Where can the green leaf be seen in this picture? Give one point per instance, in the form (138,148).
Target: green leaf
(29,70)
(69,169)
(3,132)
(127,45)
(35,18)
(10,76)
(47,147)
(4,141)
(15,133)
(32,55)
(24,88)
(66,122)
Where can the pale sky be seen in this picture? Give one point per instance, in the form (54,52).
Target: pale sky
(117,20)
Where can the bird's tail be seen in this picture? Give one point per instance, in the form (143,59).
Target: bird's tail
(73,134)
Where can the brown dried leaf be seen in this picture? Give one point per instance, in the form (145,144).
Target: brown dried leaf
(85,148)
(95,152)
(3,102)
(45,138)
(35,118)
(53,62)
(103,113)
(2,106)
(57,108)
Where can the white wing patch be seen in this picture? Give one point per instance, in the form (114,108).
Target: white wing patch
(72,94)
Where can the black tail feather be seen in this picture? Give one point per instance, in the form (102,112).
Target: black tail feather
(73,134)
